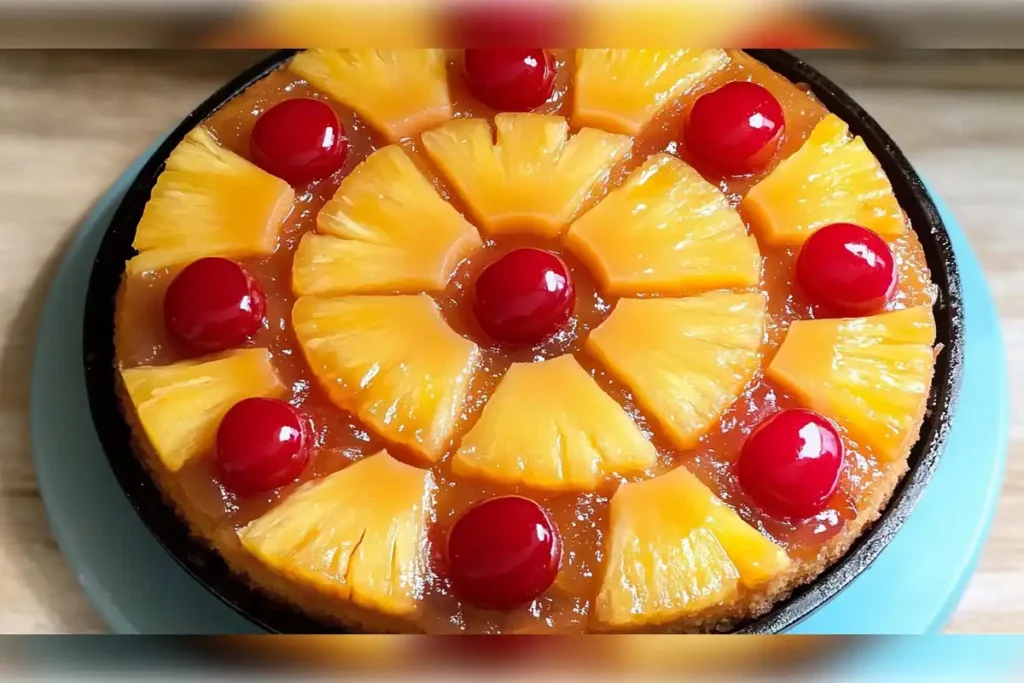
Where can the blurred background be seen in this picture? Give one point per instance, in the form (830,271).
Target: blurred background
(560,23)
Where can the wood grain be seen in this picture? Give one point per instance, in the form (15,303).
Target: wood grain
(70,122)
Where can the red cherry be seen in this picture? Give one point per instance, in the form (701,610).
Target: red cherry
(790,464)
(298,141)
(508,79)
(847,270)
(503,552)
(736,128)
(262,444)
(213,305)
(524,296)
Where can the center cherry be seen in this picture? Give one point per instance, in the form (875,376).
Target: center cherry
(791,462)
(735,129)
(298,141)
(262,444)
(847,270)
(510,79)
(503,553)
(212,305)
(524,297)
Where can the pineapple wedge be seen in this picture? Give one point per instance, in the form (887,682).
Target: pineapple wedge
(550,426)
(392,361)
(386,230)
(685,360)
(359,534)
(209,201)
(622,90)
(180,406)
(674,549)
(535,178)
(666,231)
(400,92)
(871,375)
(833,178)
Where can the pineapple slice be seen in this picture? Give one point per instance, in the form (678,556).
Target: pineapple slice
(392,361)
(550,426)
(872,375)
(622,90)
(674,550)
(400,92)
(833,178)
(209,201)
(359,534)
(685,360)
(666,231)
(535,178)
(180,406)
(385,230)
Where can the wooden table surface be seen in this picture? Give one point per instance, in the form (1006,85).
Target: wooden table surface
(70,122)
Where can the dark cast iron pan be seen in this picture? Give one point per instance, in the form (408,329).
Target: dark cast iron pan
(209,569)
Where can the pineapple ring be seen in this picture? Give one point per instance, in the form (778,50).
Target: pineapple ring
(346,535)
(832,178)
(392,361)
(704,550)
(606,95)
(400,92)
(386,230)
(209,201)
(575,433)
(180,406)
(872,375)
(685,360)
(665,230)
(528,174)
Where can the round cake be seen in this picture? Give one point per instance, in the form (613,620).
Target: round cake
(525,341)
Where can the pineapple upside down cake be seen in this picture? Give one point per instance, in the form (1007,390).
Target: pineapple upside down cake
(522,341)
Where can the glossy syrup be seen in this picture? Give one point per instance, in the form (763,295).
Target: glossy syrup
(581,519)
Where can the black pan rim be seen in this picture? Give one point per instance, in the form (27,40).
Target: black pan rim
(207,567)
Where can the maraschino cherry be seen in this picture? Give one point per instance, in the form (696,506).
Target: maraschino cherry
(524,296)
(262,444)
(791,462)
(213,304)
(503,553)
(735,129)
(298,141)
(510,79)
(847,270)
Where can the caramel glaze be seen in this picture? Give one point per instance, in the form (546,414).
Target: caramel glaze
(215,514)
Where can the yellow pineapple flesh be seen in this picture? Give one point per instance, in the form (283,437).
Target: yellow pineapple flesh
(392,361)
(622,90)
(359,534)
(666,231)
(685,360)
(832,178)
(180,406)
(550,426)
(386,230)
(535,178)
(399,92)
(209,201)
(871,375)
(674,549)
